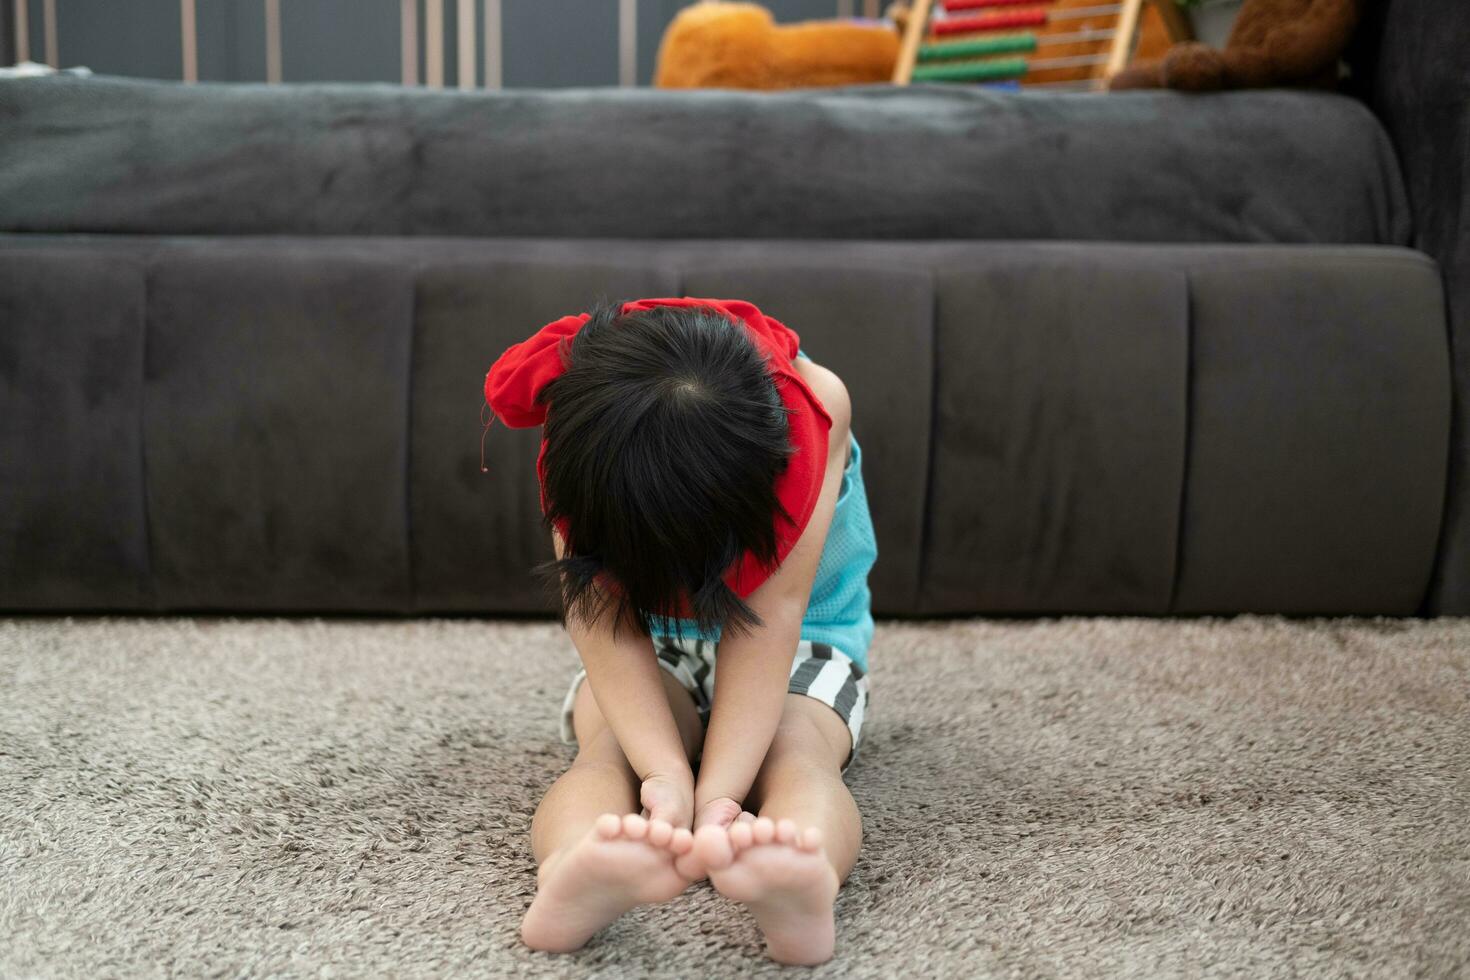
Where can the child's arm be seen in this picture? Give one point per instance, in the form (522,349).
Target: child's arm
(753,668)
(625,678)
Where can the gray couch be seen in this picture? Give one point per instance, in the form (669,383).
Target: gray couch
(1139,354)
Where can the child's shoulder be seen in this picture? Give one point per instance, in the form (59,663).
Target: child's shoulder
(832,393)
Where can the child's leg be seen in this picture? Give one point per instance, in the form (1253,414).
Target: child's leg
(597,857)
(801,780)
(786,865)
(600,779)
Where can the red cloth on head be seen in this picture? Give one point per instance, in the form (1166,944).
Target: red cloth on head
(515,380)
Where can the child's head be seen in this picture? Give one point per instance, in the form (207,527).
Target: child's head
(664,438)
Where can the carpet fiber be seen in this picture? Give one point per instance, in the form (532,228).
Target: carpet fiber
(1063,798)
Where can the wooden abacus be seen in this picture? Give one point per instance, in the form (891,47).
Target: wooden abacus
(998,40)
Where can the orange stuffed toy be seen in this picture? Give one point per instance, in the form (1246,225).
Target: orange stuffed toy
(1273,43)
(739,45)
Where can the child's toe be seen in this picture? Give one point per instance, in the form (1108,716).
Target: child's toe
(811,839)
(712,846)
(689,866)
(635,827)
(786,831)
(763,830)
(682,841)
(660,832)
(741,834)
(609,825)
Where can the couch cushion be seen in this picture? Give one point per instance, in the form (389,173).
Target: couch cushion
(107,155)
(73,529)
(1318,432)
(1050,427)
(1059,433)
(275,430)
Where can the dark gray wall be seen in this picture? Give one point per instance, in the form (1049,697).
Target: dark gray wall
(138,37)
(336,40)
(231,41)
(547,43)
(7,23)
(555,43)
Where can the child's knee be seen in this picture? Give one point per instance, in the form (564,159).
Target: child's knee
(800,750)
(810,732)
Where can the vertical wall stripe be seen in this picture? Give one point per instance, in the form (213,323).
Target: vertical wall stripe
(48,18)
(188,28)
(627,43)
(409,41)
(464,24)
(434,43)
(22,32)
(844,8)
(493,56)
(273,41)
(870,9)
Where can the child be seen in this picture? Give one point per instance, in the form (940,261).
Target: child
(706,503)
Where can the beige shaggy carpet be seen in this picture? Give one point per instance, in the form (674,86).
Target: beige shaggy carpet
(1063,798)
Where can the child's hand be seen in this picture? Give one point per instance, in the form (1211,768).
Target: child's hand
(669,798)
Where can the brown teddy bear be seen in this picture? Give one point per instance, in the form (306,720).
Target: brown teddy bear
(739,45)
(1273,43)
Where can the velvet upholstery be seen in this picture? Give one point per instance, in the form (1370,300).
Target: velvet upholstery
(1144,353)
(289,424)
(275,427)
(114,156)
(73,513)
(1413,68)
(1302,445)
(1059,433)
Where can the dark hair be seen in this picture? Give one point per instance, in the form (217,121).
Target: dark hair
(664,439)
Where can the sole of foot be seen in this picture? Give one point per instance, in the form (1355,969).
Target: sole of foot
(782,875)
(621,863)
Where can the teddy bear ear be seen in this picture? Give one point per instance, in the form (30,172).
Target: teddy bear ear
(514,382)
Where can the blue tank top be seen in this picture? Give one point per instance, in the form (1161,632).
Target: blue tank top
(840,610)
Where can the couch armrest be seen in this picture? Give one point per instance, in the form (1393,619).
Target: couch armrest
(1413,68)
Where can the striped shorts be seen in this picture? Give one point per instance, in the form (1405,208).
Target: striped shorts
(820,671)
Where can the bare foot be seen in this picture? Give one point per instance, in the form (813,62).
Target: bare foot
(783,876)
(623,862)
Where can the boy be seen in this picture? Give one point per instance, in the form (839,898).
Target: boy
(705,498)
